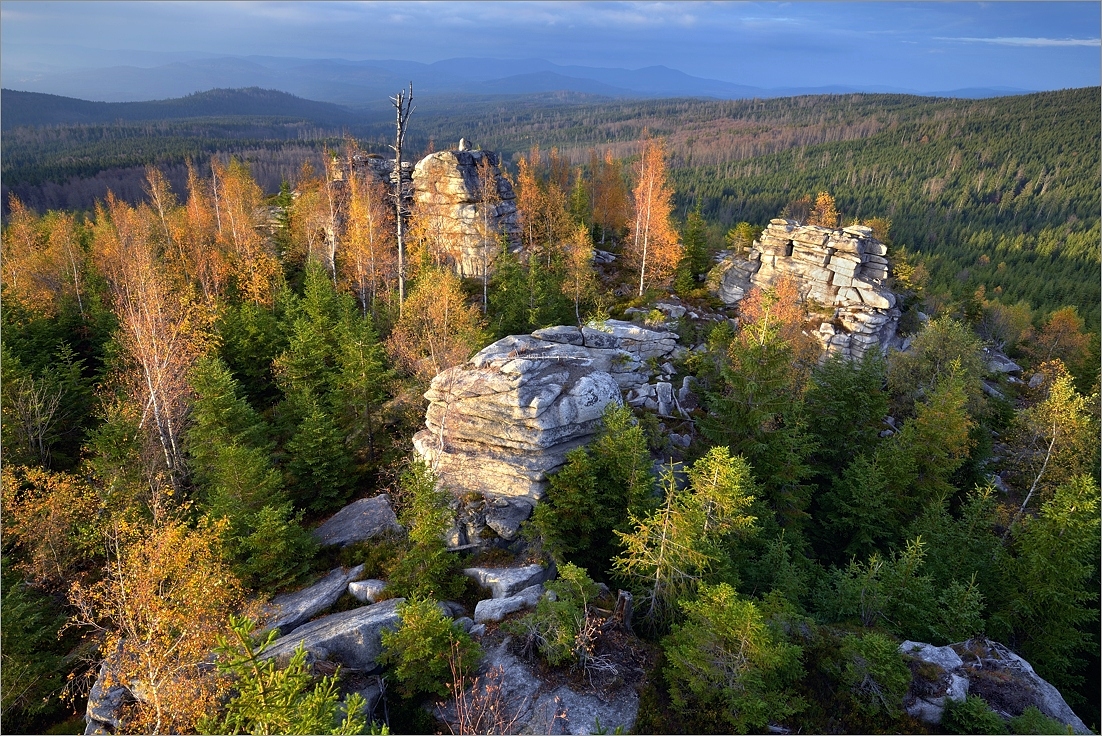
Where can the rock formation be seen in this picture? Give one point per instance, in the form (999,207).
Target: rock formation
(985,668)
(840,273)
(467,222)
(499,424)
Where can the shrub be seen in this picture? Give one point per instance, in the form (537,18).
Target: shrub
(875,674)
(971,715)
(425,647)
(271,700)
(557,628)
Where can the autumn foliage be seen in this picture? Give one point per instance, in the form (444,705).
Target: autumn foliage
(653,246)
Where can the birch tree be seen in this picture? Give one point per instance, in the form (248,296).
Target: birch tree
(653,245)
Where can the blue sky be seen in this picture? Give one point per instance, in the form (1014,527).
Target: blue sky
(922,46)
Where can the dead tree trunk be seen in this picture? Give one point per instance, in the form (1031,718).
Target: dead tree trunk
(403,107)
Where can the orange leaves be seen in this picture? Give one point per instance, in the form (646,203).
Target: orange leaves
(43,261)
(166,597)
(438,329)
(610,194)
(824,213)
(368,261)
(51,518)
(778,314)
(653,244)
(163,330)
(239,215)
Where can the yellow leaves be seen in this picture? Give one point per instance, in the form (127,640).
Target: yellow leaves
(654,246)
(438,329)
(824,213)
(51,518)
(165,599)
(43,261)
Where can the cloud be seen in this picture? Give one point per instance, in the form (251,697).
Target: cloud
(1034,42)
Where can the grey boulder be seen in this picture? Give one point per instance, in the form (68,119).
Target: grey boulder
(352,638)
(367,591)
(290,610)
(358,521)
(496,609)
(507,581)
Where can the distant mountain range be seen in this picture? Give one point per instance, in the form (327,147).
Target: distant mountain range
(368,84)
(34,108)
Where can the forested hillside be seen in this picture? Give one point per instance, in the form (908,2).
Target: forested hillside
(1000,193)
(194,381)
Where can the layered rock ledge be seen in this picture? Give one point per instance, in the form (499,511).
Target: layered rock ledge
(449,196)
(840,271)
(499,424)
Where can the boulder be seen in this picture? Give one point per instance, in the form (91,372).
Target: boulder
(103,712)
(288,611)
(358,521)
(498,425)
(367,591)
(520,702)
(352,638)
(505,515)
(507,581)
(985,668)
(999,363)
(495,609)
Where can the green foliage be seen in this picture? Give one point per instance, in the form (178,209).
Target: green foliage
(555,628)
(1034,721)
(271,700)
(971,715)
(426,648)
(594,493)
(671,549)
(319,467)
(426,568)
(1051,575)
(727,672)
(231,464)
(944,347)
(894,593)
(696,256)
(874,674)
(527,294)
(252,336)
(33,664)
(846,406)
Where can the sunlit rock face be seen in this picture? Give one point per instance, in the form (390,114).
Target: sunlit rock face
(840,273)
(465,218)
(500,423)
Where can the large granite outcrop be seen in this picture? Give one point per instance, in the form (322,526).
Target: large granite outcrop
(500,423)
(448,196)
(841,271)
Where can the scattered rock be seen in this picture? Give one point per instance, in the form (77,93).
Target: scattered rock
(999,363)
(526,704)
(508,581)
(505,515)
(352,638)
(289,611)
(367,591)
(1036,380)
(495,609)
(358,521)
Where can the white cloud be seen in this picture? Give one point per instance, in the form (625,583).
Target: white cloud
(1035,42)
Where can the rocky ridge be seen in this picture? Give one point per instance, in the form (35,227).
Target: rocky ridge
(840,271)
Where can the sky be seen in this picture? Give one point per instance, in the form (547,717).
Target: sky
(924,46)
